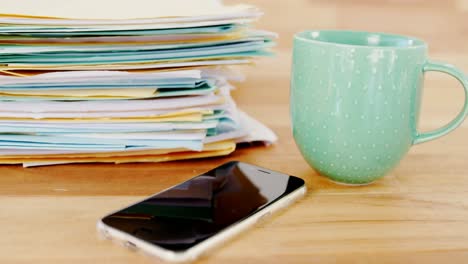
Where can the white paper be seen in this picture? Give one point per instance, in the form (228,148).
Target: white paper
(88,26)
(250,130)
(257,132)
(62,128)
(124,114)
(107,106)
(71,76)
(132,66)
(172,135)
(122,11)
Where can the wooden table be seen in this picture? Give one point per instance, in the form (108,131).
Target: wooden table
(417,214)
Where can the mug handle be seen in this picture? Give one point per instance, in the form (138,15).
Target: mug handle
(451,70)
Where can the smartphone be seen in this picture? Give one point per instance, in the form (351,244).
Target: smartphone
(184,222)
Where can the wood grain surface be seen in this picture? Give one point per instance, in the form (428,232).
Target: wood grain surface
(416,214)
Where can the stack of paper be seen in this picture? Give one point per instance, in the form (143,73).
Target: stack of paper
(123,81)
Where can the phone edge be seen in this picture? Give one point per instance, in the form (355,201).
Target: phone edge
(206,246)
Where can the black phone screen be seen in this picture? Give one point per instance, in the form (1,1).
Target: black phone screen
(183,216)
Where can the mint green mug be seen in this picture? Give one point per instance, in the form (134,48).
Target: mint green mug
(355,100)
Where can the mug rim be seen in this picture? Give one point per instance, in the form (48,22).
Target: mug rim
(419,43)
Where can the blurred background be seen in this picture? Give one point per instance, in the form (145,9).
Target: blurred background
(443,24)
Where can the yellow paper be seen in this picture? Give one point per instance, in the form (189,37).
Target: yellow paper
(207,147)
(178,116)
(210,150)
(8,73)
(122,9)
(84,93)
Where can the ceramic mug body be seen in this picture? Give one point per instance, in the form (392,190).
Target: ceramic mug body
(355,100)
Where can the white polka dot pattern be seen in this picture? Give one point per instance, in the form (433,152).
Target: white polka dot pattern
(354,109)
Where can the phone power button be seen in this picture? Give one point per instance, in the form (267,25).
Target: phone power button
(130,245)
(264,218)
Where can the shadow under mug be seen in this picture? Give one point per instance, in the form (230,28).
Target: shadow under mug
(355,100)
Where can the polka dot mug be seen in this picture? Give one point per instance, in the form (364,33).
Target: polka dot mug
(355,100)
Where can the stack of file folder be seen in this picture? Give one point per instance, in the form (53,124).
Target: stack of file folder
(124,81)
